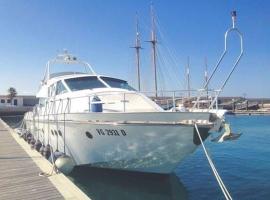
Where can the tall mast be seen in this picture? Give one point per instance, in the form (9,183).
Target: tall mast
(154,53)
(206,75)
(188,77)
(137,48)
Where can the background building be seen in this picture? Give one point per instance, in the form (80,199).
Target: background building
(18,105)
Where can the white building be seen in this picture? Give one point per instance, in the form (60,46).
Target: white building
(17,106)
(20,101)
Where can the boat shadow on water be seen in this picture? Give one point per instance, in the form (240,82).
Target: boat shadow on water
(103,184)
(14,121)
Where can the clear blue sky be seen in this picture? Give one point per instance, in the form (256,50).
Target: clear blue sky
(101,32)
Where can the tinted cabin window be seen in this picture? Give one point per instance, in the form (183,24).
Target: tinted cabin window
(117,83)
(8,101)
(15,102)
(60,88)
(83,83)
(3,101)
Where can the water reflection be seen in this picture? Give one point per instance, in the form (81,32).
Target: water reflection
(103,184)
(12,121)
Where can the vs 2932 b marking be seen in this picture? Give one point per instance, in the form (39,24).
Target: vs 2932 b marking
(111,132)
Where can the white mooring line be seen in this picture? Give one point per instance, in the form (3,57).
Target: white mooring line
(218,178)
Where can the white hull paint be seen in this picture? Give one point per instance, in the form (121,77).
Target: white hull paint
(155,148)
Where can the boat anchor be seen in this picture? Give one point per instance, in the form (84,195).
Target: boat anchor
(228,135)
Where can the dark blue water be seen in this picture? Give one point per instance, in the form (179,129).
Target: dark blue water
(244,166)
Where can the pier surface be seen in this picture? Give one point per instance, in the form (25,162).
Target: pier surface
(19,172)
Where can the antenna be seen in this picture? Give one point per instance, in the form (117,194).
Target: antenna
(206,75)
(233,13)
(188,76)
(137,48)
(154,42)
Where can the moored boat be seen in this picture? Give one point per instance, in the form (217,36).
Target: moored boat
(101,121)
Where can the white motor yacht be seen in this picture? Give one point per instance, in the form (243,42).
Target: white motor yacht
(101,121)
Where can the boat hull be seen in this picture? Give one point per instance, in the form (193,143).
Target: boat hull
(144,147)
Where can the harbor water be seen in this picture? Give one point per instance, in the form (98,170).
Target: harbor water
(243,164)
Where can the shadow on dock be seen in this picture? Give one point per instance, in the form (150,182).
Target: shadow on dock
(102,184)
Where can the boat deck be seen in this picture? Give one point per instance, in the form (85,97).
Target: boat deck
(19,173)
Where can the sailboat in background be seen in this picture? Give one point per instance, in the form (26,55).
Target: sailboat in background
(137,48)
(206,99)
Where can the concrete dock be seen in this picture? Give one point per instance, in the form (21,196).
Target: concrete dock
(19,172)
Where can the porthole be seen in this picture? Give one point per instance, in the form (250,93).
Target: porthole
(59,133)
(89,135)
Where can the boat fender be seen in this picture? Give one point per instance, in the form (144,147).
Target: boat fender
(56,155)
(23,132)
(37,145)
(23,135)
(41,150)
(65,164)
(47,151)
(32,143)
(28,137)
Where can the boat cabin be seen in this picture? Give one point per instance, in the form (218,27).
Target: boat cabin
(81,92)
(93,93)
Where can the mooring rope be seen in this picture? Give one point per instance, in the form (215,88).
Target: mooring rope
(54,168)
(218,178)
(19,124)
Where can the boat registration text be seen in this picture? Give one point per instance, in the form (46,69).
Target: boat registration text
(111,132)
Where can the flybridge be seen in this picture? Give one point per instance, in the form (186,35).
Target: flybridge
(66,58)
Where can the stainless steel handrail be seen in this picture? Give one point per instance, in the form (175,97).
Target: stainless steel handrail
(171,99)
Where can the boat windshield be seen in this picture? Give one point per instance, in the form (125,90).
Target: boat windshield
(117,83)
(83,83)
